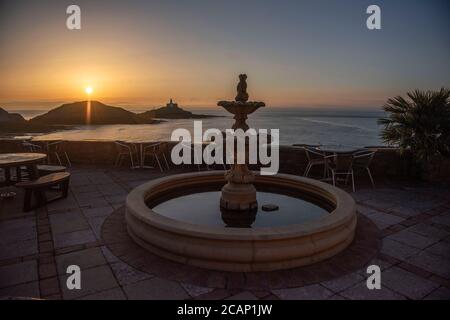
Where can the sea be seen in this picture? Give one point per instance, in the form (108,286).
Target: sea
(322,126)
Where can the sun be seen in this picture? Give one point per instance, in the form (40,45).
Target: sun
(89,90)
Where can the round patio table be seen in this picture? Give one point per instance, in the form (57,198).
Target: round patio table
(17,160)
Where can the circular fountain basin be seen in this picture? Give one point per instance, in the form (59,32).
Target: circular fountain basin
(179,218)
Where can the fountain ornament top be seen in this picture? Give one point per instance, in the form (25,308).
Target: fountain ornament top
(241,107)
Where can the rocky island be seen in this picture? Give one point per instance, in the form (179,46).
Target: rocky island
(173,111)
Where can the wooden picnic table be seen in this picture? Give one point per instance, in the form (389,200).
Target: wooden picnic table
(10,161)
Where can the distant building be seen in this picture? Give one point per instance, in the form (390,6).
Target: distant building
(171,104)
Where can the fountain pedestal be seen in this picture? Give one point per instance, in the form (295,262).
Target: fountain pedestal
(239,194)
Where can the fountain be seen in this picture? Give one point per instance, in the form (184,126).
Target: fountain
(239,194)
(195,219)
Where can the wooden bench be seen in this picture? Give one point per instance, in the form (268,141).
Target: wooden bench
(48,169)
(39,186)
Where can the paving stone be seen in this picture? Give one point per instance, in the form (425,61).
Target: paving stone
(398,250)
(444,220)
(49,287)
(97,212)
(111,294)
(195,291)
(68,222)
(412,239)
(379,204)
(62,205)
(440,249)
(117,199)
(93,280)
(311,292)
(18,230)
(407,283)
(47,270)
(441,293)
(431,263)
(126,274)
(109,256)
(14,274)
(18,249)
(405,211)
(384,220)
(429,231)
(361,292)
(25,290)
(367,211)
(85,259)
(96,226)
(244,295)
(93,202)
(336,297)
(155,289)
(73,238)
(342,283)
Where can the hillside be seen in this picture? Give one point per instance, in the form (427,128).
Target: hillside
(100,114)
(6,117)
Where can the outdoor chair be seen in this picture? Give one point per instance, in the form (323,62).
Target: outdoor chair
(362,160)
(124,151)
(58,150)
(340,165)
(31,147)
(315,158)
(158,152)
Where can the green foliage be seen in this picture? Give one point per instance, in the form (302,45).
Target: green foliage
(420,123)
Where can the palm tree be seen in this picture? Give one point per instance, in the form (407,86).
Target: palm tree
(420,123)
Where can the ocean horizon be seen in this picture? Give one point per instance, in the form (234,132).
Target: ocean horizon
(343,126)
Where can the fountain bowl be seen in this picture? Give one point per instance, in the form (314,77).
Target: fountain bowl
(241,249)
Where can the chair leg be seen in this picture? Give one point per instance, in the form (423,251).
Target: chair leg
(353,181)
(167,163)
(334,178)
(58,158)
(131,158)
(67,159)
(370,176)
(159,164)
(308,167)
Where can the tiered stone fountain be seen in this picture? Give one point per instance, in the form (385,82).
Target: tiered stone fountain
(178,217)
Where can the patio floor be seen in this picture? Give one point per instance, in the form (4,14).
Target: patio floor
(37,247)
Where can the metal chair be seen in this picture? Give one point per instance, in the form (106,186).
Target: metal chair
(156,150)
(315,158)
(57,149)
(341,165)
(31,147)
(124,151)
(362,160)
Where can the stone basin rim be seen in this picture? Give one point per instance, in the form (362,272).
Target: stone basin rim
(342,215)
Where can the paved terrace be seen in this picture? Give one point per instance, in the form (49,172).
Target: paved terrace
(36,247)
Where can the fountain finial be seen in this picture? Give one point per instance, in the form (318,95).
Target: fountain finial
(242,95)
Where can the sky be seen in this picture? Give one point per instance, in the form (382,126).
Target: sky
(295,53)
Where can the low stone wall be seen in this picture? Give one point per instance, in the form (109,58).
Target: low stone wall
(387,163)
